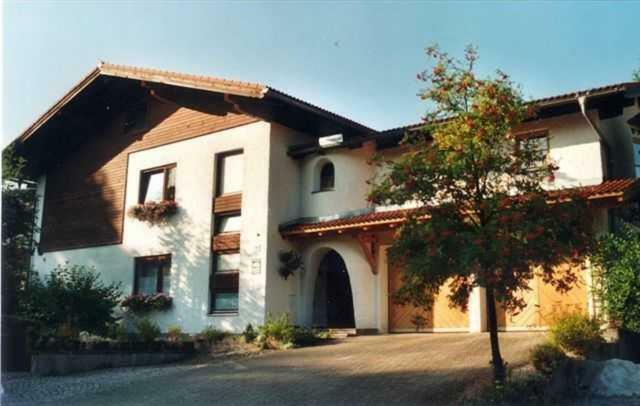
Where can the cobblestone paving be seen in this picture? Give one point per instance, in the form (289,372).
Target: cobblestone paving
(373,370)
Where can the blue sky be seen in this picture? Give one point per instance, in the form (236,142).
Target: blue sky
(358,59)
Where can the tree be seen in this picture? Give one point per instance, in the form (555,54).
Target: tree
(18,226)
(617,260)
(483,218)
(636,75)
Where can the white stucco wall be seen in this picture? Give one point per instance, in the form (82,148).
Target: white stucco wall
(575,147)
(187,236)
(350,191)
(285,188)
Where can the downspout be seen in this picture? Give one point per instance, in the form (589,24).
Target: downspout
(582,101)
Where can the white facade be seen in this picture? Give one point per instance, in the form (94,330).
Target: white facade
(277,189)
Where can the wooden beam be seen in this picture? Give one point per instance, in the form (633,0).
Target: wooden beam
(369,245)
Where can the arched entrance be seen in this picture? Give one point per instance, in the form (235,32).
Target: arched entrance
(332,298)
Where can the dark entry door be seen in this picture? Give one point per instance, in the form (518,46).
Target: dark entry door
(333,299)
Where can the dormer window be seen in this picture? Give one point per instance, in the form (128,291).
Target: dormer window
(327,177)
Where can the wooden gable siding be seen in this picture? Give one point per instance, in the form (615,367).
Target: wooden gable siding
(85,194)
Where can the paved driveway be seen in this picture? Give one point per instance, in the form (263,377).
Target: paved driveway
(394,369)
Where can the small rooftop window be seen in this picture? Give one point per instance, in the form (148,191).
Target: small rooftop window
(327,177)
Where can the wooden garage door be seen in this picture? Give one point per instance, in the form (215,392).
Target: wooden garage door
(544,303)
(440,318)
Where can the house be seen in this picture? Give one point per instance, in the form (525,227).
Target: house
(254,172)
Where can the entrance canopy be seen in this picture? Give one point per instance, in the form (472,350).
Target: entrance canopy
(609,193)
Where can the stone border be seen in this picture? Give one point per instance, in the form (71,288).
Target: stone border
(64,364)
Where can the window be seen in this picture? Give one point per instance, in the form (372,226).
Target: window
(229,224)
(152,275)
(158,184)
(536,142)
(327,177)
(230,173)
(225,282)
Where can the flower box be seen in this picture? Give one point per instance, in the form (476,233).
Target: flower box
(138,303)
(154,212)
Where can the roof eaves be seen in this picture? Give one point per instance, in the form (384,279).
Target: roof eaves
(234,87)
(51,111)
(312,107)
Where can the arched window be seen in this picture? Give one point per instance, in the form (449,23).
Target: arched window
(327,177)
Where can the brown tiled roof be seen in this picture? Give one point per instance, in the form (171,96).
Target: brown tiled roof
(594,91)
(619,190)
(213,84)
(208,83)
(546,101)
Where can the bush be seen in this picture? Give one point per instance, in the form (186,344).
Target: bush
(70,299)
(577,333)
(138,303)
(617,260)
(212,335)
(280,330)
(249,334)
(280,333)
(148,330)
(174,333)
(546,357)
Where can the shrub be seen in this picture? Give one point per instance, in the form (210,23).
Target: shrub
(577,333)
(546,357)
(154,212)
(70,299)
(174,333)
(617,260)
(303,337)
(148,330)
(528,389)
(211,335)
(249,334)
(138,303)
(280,330)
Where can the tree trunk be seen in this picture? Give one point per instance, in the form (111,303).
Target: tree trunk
(496,359)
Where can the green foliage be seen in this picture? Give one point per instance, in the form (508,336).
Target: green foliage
(546,357)
(13,165)
(148,330)
(280,333)
(523,390)
(174,333)
(279,329)
(636,75)
(290,262)
(211,335)
(577,333)
(70,299)
(483,216)
(617,260)
(18,227)
(249,334)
